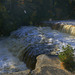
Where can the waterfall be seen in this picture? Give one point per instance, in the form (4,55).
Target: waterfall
(69,29)
(65,28)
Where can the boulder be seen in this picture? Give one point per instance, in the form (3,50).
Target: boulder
(49,65)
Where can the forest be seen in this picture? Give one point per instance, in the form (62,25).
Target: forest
(17,13)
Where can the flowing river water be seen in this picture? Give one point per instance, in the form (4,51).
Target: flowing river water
(26,43)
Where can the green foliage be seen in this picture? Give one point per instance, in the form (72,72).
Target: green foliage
(67,57)
(67,54)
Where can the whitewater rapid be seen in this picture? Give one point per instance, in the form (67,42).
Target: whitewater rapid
(9,63)
(11,48)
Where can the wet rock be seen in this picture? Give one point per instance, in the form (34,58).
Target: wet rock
(49,65)
(47,60)
(49,70)
(26,72)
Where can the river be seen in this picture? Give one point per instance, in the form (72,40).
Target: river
(12,47)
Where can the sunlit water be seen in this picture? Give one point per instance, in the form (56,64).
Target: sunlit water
(11,48)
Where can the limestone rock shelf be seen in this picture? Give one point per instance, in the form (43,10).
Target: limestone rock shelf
(49,65)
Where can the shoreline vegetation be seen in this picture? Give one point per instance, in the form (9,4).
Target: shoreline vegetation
(67,58)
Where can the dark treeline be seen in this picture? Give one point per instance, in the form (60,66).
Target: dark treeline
(15,13)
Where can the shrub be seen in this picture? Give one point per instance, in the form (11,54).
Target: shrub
(67,57)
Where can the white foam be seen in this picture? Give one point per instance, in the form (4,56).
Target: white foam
(9,63)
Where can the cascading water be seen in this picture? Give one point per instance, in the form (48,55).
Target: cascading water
(9,63)
(27,43)
(64,28)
